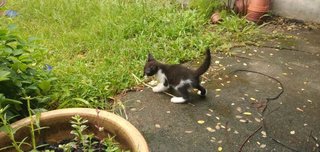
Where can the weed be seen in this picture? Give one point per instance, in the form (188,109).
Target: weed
(5,127)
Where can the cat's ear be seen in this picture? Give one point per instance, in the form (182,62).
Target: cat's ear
(150,57)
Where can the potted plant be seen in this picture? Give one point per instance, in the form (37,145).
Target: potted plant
(55,127)
(256,9)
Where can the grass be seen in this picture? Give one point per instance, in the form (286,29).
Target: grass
(95,45)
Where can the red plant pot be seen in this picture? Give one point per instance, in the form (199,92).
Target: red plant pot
(256,9)
(241,6)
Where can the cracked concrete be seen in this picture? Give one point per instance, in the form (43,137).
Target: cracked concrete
(233,108)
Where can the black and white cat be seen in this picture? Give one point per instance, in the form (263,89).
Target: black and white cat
(177,76)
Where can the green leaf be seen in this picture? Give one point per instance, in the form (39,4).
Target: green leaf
(12,101)
(44,86)
(83,101)
(25,58)
(17,52)
(6,128)
(4,75)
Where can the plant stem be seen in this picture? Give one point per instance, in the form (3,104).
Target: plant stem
(31,124)
(9,132)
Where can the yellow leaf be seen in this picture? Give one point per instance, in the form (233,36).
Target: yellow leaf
(247,113)
(200,121)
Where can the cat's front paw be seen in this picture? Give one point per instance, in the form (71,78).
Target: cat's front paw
(178,100)
(159,88)
(156,89)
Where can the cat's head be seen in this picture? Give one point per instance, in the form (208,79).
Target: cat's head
(151,67)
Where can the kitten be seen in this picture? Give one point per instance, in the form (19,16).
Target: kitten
(177,76)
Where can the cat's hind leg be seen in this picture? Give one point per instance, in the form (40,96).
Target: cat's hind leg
(184,93)
(201,90)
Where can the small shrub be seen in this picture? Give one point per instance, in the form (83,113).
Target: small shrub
(20,74)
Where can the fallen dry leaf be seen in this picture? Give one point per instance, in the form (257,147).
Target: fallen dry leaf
(239,117)
(210,129)
(239,109)
(188,131)
(243,120)
(247,113)
(299,109)
(257,119)
(264,134)
(263,145)
(200,121)
(157,126)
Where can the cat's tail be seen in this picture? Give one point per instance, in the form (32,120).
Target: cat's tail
(205,65)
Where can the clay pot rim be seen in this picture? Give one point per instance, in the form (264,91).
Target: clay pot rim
(126,130)
(258,9)
(259,5)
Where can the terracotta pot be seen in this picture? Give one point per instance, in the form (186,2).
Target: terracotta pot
(59,128)
(215,18)
(240,7)
(256,9)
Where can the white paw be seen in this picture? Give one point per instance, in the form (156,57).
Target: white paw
(159,88)
(177,100)
(199,93)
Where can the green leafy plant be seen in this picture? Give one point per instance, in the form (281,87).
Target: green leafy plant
(86,142)
(20,74)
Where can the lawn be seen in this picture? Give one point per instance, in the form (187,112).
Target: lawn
(94,46)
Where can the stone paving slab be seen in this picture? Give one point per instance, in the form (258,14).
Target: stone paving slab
(232,111)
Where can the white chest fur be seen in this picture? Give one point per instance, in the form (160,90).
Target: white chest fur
(161,77)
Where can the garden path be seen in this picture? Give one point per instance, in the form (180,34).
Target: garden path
(268,95)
